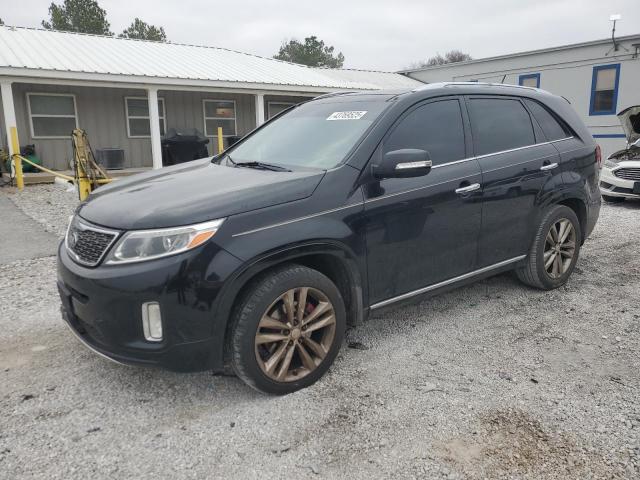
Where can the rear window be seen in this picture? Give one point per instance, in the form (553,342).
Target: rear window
(551,127)
(500,124)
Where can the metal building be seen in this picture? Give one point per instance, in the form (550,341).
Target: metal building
(127,93)
(599,78)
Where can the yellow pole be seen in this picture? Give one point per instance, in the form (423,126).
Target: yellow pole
(84,184)
(220,141)
(17,161)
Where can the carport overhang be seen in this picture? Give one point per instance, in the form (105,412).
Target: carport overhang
(151,85)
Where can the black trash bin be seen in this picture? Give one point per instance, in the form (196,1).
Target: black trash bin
(183,145)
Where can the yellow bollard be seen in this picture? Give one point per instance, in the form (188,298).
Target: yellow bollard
(220,141)
(17,161)
(81,162)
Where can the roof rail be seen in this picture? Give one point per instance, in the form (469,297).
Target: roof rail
(335,94)
(454,84)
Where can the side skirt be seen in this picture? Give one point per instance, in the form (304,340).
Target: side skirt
(453,282)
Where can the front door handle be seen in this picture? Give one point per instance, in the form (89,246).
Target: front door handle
(550,166)
(469,188)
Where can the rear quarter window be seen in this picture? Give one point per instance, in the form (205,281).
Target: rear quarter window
(553,128)
(500,124)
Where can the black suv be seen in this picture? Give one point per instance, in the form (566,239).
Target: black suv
(259,258)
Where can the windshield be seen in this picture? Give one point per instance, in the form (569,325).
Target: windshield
(315,134)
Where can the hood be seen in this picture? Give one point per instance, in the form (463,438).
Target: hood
(630,121)
(193,192)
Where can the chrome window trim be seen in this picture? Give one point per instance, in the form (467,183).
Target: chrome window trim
(478,157)
(444,283)
(87,226)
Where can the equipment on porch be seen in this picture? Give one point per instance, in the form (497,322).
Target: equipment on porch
(183,145)
(110,158)
(29,152)
(88,174)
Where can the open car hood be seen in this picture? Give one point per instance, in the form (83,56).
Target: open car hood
(630,121)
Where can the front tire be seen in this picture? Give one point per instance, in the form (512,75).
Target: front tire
(555,250)
(287,330)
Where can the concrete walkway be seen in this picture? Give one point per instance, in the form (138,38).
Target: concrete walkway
(22,238)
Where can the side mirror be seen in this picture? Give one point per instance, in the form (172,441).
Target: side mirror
(404,163)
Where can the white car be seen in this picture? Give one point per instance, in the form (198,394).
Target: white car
(620,176)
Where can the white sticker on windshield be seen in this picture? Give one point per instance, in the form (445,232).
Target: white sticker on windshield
(346,115)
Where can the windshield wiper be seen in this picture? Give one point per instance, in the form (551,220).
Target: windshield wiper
(260,165)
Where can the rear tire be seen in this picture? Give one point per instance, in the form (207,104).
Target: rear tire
(555,250)
(610,199)
(287,330)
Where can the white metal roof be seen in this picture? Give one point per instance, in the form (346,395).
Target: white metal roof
(28,52)
(371,78)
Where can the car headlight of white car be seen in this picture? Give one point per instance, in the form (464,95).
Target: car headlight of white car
(141,245)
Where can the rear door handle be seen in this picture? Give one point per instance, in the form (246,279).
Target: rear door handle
(551,166)
(469,188)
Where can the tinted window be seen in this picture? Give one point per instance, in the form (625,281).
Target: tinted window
(435,127)
(552,129)
(500,124)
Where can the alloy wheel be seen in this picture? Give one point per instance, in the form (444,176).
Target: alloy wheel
(559,248)
(295,334)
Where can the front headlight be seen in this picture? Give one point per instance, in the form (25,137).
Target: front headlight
(611,163)
(140,245)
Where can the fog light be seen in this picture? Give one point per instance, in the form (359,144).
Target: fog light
(152,321)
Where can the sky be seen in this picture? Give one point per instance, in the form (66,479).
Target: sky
(380,35)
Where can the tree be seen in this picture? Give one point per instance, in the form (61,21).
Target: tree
(452,56)
(143,31)
(312,52)
(84,16)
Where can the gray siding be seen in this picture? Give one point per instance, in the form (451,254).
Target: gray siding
(185,110)
(101,112)
(283,99)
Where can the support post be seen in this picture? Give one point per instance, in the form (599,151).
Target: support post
(220,141)
(259,109)
(154,127)
(17,161)
(13,144)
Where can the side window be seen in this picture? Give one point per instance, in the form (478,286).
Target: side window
(499,124)
(604,89)
(552,129)
(435,127)
(529,80)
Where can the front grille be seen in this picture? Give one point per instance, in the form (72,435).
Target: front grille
(628,173)
(88,244)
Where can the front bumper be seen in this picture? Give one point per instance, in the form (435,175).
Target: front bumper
(103,307)
(613,186)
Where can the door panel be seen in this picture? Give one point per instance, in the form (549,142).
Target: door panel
(518,165)
(513,183)
(420,231)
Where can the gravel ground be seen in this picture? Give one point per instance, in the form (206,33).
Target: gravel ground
(494,380)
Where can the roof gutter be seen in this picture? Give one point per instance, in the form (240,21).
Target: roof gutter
(26,75)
